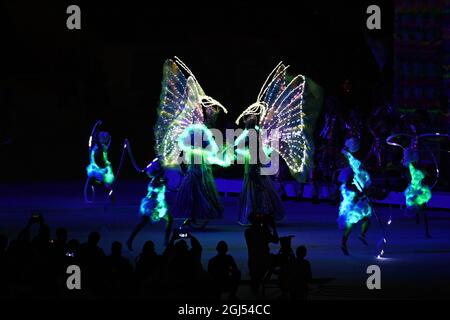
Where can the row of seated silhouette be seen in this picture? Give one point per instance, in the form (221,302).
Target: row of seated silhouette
(36,267)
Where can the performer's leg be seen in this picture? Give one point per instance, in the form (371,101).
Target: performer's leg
(364,227)
(299,191)
(316,192)
(89,185)
(347,231)
(168,230)
(140,225)
(284,195)
(316,178)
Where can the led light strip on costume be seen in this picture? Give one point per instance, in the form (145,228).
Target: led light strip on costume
(205,100)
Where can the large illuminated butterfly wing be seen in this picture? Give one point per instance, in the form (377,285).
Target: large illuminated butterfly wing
(274,86)
(289,121)
(179,107)
(172,100)
(192,112)
(271,89)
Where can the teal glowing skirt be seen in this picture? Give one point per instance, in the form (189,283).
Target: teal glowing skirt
(352,208)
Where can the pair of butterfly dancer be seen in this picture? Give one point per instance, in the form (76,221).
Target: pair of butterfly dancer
(186,112)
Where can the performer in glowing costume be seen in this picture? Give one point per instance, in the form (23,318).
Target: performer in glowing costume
(258,194)
(355,205)
(416,194)
(99,169)
(153,206)
(184,112)
(284,126)
(197,197)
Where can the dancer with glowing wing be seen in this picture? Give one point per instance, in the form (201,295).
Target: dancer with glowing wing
(185,111)
(284,127)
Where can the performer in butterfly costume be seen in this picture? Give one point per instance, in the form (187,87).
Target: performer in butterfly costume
(185,111)
(284,125)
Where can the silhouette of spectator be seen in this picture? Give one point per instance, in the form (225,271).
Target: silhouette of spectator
(73,248)
(258,236)
(3,245)
(41,242)
(92,259)
(19,266)
(297,276)
(118,272)
(184,266)
(58,250)
(42,276)
(3,268)
(224,271)
(59,245)
(148,271)
(70,257)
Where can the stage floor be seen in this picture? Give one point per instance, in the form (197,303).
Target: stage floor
(413,267)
